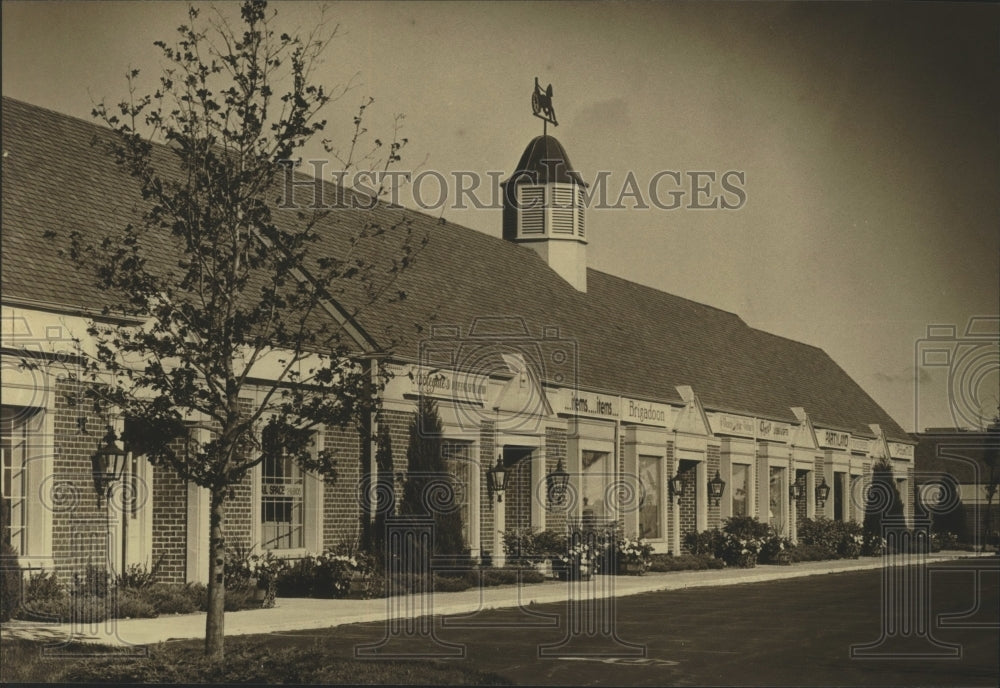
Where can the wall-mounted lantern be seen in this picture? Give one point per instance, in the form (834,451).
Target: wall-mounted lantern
(822,493)
(716,486)
(556,484)
(496,479)
(108,463)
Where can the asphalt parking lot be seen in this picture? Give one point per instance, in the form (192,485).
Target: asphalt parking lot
(794,632)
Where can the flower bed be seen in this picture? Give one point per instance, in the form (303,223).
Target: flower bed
(94,596)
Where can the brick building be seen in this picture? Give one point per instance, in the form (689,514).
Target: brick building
(534,359)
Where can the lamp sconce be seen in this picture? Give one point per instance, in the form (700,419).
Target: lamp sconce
(107,463)
(556,483)
(496,479)
(716,486)
(822,493)
(796,491)
(676,487)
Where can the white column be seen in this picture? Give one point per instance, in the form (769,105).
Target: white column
(701,496)
(675,530)
(197,534)
(537,478)
(811,493)
(499,526)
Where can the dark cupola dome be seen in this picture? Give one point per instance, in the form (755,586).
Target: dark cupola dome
(545,161)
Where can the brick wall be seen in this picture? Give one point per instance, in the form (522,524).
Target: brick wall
(342,499)
(170,525)
(398,423)
(671,471)
(713,462)
(486,458)
(627,499)
(800,504)
(518,495)
(687,471)
(555,449)
(79,525)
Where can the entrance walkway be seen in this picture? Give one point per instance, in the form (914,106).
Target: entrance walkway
(303,614)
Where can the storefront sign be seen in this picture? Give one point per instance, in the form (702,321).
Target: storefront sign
(576,403)
(833,439)
(860,445)
(773,431)
(646,413)
(898,450)
(446,384)
(281,490)
(728,424)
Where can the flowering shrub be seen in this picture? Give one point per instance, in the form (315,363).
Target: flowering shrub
(325,575)
(943,540)
(744,539)
(633,552)
(776,549)
(841,539)
(526,548)
(706,543)
(578,559)
(246,569)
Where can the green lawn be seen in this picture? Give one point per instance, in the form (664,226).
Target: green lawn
(260,659)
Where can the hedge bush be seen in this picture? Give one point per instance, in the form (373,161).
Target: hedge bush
(662,563)
(840,539)
(88,600)
(11,582)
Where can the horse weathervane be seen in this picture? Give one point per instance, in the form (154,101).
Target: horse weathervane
(541,106)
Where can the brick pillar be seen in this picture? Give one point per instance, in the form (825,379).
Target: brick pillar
(714,463)
(487,458)
(555,449)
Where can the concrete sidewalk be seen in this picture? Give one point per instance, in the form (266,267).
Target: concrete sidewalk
(303,614)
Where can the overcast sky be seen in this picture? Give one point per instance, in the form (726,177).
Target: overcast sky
(868,135)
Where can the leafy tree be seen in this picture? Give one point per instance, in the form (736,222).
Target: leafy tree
(248,321)
(883,483)
(374,530)
(429,489)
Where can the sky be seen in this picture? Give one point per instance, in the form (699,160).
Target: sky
(866,136)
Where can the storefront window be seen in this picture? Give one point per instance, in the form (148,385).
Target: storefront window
(777,500)
(458,456)
(282,492)
(839,477)
(739,488)
(16,444)
(597,476)
(650,509)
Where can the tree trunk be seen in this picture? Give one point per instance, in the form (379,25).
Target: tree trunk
(215,621)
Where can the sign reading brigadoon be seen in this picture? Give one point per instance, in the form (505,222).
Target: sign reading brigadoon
(646,413)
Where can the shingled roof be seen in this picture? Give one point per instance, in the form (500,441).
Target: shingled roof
(621,337)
